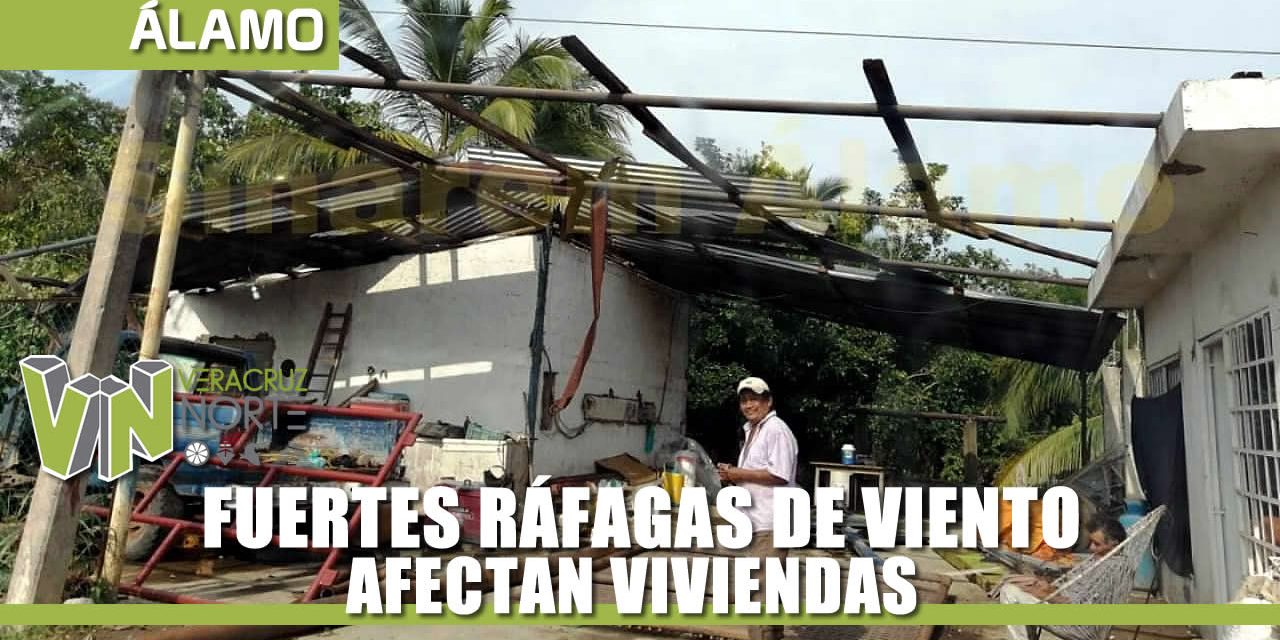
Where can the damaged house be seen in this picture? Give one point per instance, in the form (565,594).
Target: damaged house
(1194,252)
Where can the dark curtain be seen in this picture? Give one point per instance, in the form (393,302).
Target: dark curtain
(1159,452)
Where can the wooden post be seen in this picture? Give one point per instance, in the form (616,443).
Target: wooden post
(161,276)
(971,468)
(48,537)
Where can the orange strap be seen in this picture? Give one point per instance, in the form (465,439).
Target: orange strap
(599,233)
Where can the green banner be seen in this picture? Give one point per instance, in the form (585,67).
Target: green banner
(947,614)
(170,34)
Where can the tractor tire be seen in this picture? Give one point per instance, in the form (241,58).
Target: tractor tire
(144,538)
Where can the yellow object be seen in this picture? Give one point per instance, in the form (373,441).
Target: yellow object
(674,484)
(1038,547)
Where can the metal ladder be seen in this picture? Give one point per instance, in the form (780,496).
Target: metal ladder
(326,351)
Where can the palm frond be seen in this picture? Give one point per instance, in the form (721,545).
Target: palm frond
(1031,390)
(446,41)
(285,152)
(288,152)
(591,131)
(360,28)
(433,39)
(406,139)
(485,29)
(828,188)
(510,115)
(1052,458)
(534,62)
(407,110)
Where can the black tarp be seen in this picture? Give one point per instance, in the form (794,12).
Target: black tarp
(1159,452)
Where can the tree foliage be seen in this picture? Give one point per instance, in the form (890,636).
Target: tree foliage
(441,41)
(823,372)
(57,151)
(57,146)
(270,147)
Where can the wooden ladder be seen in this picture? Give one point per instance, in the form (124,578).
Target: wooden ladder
(326,351)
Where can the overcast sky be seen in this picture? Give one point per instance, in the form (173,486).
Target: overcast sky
(1095,164)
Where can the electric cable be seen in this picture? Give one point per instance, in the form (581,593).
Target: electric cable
(1025,42)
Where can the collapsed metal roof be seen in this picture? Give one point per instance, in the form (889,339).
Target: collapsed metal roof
(895,303)
(370,214)
(692,228)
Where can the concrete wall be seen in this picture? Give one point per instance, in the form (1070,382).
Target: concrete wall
(642,345)
(451,330)
(1234,275)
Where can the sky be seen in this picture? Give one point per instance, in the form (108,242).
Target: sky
(1081,172)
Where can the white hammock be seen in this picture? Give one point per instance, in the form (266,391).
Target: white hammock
(1106,580)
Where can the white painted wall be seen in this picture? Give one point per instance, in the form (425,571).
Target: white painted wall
(451,330)
(1233,275)
(642,345)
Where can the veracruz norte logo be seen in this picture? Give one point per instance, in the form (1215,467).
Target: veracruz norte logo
(73,418)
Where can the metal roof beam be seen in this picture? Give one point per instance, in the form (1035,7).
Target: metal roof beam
(455,108)
(989,273)
(335,131)
(917,171)
(703,195)
(656,131)
(887,99)
(929,415)
(385,148)
(310,114)
(859,109)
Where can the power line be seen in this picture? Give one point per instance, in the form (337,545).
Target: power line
(866,34)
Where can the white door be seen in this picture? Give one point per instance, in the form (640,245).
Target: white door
(1222,472)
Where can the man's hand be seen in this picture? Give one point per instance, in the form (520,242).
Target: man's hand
(738,475)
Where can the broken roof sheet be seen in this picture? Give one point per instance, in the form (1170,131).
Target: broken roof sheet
(1060,335)
(370,214)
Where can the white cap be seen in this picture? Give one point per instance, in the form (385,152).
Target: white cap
(755,385)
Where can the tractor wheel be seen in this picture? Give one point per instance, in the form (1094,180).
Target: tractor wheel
(144,538)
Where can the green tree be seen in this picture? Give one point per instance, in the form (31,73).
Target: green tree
(820,371)
(57,146)
(57,151)
(820,395)
(1034,398)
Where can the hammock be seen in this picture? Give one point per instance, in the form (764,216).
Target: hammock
(1107,580)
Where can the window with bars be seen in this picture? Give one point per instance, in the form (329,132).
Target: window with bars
(1163,377)
(1255,417)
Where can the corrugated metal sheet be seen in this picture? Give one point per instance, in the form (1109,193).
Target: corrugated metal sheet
(709,248)
(1061,335)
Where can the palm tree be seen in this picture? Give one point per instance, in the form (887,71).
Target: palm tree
(450,41)
(1033,395)
(1051,458)
(1039,394)
(827,189)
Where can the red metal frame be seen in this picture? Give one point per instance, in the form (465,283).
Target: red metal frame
(327,574)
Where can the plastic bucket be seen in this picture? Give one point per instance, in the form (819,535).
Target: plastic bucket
(1146,576)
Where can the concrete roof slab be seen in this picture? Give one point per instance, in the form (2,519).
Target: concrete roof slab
(1218,141)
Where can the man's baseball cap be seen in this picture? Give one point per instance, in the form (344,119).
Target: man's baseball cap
(755,385)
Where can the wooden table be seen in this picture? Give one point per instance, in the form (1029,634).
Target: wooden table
(849,476)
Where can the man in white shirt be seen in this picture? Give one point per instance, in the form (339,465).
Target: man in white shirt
(767,460)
